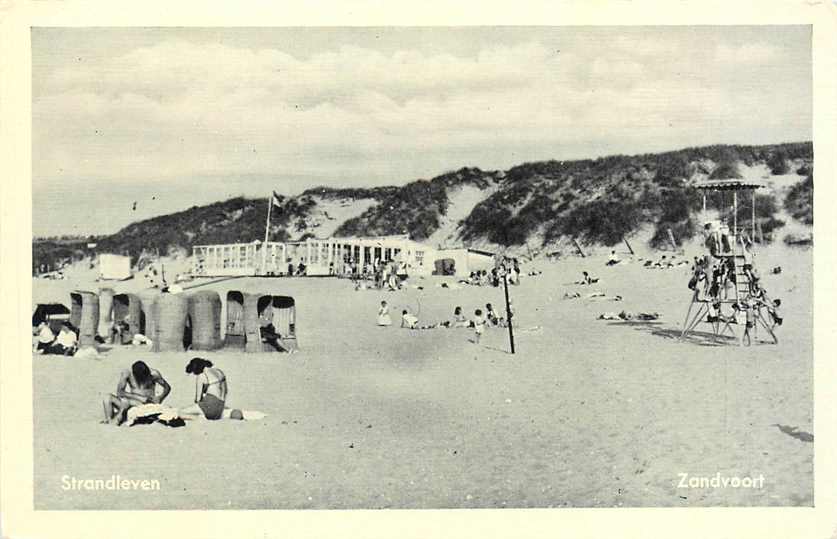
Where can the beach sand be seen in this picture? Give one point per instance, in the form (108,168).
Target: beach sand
(587,413)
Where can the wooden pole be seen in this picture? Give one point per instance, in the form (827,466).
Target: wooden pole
(753,220)
(266,233)
(734,214)
(628,244)
(509,315)
(577,246)
(671,239)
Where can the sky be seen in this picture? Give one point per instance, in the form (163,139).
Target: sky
(175,117)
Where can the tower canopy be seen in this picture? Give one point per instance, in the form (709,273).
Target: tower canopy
(731,184)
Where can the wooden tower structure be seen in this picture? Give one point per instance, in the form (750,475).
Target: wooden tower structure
(726,277)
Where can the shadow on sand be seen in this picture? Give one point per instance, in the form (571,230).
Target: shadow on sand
(700,338)
(794,432)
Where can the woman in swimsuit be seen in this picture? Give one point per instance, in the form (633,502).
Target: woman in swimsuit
(210,390)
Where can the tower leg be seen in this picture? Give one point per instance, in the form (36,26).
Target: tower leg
(767,328)
(698,316)
(686,321)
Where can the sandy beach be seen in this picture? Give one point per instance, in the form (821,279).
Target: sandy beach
(587,413)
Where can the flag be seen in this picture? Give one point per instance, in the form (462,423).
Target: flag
(275,200)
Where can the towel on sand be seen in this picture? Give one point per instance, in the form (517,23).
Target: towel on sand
(150,413)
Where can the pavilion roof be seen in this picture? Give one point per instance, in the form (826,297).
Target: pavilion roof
(731,184)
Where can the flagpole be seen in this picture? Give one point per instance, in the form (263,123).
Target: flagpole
(509,314)
(266,233)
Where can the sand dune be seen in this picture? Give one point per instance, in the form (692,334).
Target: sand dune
(588,413)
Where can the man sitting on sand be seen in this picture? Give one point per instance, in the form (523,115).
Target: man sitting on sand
(66,343)
(45,338)
(613,259)
(267,331)
(136,386)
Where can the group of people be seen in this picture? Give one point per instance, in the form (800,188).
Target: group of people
(508,268)
(378,275)
(480,320)
(665,262)
(714,277)
(63,344)
(628,316)
(137,386)
(300,270)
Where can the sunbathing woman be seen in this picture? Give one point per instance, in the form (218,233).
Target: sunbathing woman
(210,390)
(587,279)
(136,387)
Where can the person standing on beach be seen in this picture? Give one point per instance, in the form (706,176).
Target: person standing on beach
(479,325)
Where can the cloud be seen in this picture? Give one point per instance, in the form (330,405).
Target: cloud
(179,108)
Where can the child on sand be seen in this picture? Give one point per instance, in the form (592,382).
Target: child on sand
(410,321)
(742,316)
(491,315)
(383,315)
(479,325)
(459,320)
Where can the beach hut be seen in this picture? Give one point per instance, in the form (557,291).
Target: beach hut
(172,327)
(281,310)
(84,315)
(461,261)
(444,266)
(76,305)
(234,321)
(54,314)
(114,267)
(105,310)
(284,320)
(205,318)
(147,316)
(128,308)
